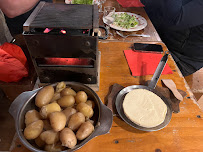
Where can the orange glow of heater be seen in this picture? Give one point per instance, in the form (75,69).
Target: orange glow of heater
(63,31)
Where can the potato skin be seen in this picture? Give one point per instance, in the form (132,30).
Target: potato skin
(68,91)
(57,120)
(66,101)
(85,109)
(56,96)
(39,142)
(81,96)
(76,120)
(33,130)
(50,136)
(44,96)
(85,130)
(60,86)
(90,103)
(54,147)
(31,116)
(68,138)
(47,125)
(49,108)
(68,112)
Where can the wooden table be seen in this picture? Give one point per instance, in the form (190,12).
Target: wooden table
(184,132)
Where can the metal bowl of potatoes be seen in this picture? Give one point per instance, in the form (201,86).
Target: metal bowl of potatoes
(43,125)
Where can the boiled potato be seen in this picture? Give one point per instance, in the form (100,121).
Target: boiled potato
(33,130)
(49,108)
(56,96)
(47,125)
(60,86)
(85,130)
(57,120)
(31,116)
(90,103)
(81,96)
(76,120)
(66,101)
(68,138)
(54,147)
(39,142)
(91,121)
(68,112)
(85,109)
(68,91)
(44,96)
(50,137)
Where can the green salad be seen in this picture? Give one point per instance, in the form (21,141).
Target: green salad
(90,2)
(125,20)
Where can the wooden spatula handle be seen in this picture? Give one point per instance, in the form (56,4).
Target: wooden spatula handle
(172,86)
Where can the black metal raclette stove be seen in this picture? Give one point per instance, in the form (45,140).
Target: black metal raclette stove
(61,42)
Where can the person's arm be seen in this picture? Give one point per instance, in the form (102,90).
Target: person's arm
(179,15)
(13,8)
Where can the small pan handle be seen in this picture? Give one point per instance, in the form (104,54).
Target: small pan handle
(105,123)
(158,71)
(20,100)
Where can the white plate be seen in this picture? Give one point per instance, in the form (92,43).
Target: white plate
(142,23)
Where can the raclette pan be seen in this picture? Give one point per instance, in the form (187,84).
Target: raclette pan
(151,87)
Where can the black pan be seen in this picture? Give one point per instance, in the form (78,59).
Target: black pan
(151,87)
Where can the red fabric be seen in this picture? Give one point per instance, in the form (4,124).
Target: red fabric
(142,63)
(12,63)
(130,3)
(14,51)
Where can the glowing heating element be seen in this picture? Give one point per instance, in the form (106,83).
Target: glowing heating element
(83,62)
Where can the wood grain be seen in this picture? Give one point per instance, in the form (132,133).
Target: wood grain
(184,132)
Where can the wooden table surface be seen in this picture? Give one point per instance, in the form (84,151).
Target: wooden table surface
(183,134)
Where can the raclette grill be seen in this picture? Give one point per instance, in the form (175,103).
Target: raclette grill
(61,42)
